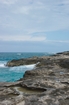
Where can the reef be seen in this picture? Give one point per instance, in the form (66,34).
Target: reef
(46,84)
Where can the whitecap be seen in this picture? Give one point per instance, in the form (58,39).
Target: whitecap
(19,54)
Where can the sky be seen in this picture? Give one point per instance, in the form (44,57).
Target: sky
(34,25)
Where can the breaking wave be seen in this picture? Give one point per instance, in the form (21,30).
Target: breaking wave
(23,68)
(2,64)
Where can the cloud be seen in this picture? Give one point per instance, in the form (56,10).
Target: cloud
(8,2)
(22,10)
(57,41)
(44,15)
(22,38)
(35,15)
(30,38)
(27,7)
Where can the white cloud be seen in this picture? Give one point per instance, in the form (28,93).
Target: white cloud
(22,38)
(28,8)
(44,15)
(57,41)
(38,38)
(22,10)
(36,16)
(8,2)
(31,38)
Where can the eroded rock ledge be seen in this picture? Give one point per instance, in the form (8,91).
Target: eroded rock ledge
(47,84)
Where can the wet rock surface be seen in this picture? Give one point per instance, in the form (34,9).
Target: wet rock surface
(47,84)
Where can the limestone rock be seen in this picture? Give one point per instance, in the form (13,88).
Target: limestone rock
(47,84)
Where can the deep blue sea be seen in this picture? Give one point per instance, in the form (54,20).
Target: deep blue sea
(11,74)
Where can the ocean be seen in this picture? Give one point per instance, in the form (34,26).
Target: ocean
(12,74)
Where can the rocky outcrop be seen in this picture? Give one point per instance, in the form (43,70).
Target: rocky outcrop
(47,84)
(19,62)
(61,59)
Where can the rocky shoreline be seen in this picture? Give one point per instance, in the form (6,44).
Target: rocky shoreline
(47,84)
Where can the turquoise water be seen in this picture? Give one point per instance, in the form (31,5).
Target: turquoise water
(11,74)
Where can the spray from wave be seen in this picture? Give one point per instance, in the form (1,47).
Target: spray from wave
(23,68)
(2,64)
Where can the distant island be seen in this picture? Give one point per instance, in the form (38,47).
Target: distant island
(46,84)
